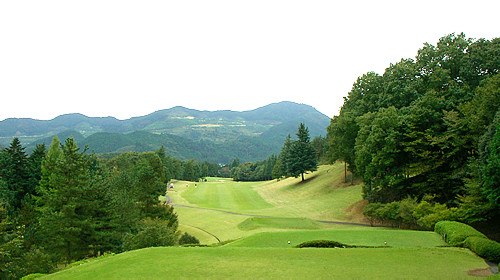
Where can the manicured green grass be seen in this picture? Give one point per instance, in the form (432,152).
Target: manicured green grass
(227,227)
(228,195)
(359,236)
(282,223)
(279,263)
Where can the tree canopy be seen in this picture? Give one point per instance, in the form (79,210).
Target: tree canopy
(427,126)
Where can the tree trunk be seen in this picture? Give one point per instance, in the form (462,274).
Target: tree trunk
(302,176)
(345,172)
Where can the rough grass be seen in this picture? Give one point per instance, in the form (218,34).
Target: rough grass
(324,196)
(279,263)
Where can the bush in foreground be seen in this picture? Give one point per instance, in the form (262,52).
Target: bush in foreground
(455,233)
(151,233)
(186,238)
(484,248)
(323,244)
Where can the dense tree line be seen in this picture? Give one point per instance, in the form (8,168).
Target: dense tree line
(63,204)
(190,170)
(253,171)
(428,128)
(295,159)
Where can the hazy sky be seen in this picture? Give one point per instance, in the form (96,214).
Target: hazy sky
(129,58)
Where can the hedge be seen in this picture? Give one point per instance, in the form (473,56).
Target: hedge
(484,248)
(323,244)
(455,233)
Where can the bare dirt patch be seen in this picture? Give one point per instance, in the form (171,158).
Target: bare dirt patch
(480,272)
(355,211)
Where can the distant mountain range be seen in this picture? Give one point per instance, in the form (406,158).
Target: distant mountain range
(215,136)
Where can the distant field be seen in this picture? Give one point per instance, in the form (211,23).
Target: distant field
(279,263)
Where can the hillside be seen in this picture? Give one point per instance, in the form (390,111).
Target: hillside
(216,136)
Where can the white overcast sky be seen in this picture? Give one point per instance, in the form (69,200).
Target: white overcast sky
(130,58)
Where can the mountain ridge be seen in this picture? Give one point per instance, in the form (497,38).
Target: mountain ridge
(185,133)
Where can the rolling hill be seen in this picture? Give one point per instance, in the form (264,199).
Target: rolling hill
(215,136)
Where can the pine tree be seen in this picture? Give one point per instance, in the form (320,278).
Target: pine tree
(302,156)
(280,168)
(14,172)
(77,215)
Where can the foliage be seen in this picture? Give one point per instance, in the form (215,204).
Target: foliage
(257,171)
(77,218)
(409,213)
(490,170)
(460,234)
(302,156)
(67,205)
(455,233)
(150,233)
(425,127)
(323,244)
(484,248)
(186,238)
(33,276)
(137,179)
(296,157)
(15,175)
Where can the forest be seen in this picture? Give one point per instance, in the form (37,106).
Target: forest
(64,204)
(425,135)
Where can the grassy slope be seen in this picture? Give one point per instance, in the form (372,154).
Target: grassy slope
(324,195)
(278,263)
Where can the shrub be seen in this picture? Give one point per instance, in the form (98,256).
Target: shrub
(323,244)
(33,276)
(484,248)
(152,233)
(455,233)
(371,211)
(438,212)
(186,238)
